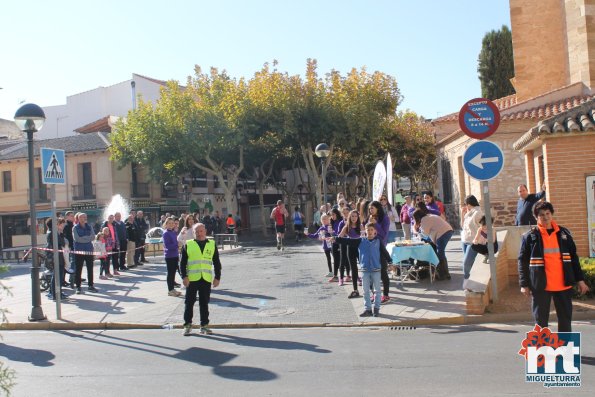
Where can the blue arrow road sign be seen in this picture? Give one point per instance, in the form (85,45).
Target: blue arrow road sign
(483,160)
(53,166)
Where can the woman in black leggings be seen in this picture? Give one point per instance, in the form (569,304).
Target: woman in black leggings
(352,229)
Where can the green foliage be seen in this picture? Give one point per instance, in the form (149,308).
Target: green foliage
(588,266)
(273,120)
(7,375)
(496,64)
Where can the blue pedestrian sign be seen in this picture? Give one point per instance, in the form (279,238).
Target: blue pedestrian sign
(483,160)
(53,166)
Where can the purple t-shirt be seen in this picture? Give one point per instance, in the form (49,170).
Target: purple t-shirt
(321,232)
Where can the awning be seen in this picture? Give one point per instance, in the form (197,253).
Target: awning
(43,214)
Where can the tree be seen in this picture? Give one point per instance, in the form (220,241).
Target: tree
(197,126)
(496,64)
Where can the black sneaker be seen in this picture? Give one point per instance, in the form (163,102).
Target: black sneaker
(79,290)
(366,313)
(376,312)
(92,289)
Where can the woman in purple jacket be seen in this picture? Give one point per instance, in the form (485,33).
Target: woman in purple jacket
(431,204)
(170,251)
(382,224)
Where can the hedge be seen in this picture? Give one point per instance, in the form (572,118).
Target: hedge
(588,266)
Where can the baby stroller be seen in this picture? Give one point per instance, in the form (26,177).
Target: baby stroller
(45,278)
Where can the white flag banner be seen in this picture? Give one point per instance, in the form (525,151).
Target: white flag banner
(379,180)
(389,179)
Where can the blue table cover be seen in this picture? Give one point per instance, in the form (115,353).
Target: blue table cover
(420,252)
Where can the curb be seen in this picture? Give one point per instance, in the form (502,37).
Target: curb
(456,320)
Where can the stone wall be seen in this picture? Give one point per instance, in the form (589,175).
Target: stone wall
(580,22)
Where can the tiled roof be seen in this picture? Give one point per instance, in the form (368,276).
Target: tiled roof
(104,124)
(70,144)
(502,103)
(548,109)
(578,118)
(506,106)
(536,113)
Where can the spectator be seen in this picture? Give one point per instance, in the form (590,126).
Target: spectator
(83,237)
(470,224)
(431,204)
(549,267)
(132,254)
(142,228)
(524,207)
(405,218)
(122,240)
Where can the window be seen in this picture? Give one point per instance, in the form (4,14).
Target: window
(446,181)
(6,181)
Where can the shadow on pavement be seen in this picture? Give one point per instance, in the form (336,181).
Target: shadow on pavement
(197,355)
(267,344)
(235,294)
(39,358)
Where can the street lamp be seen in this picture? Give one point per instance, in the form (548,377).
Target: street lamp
(30,118)
(322,151)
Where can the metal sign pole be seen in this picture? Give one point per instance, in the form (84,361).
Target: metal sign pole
(57,278)
(486,209)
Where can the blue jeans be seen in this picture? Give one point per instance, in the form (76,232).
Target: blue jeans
(441,243)
(374,279)
(469,256)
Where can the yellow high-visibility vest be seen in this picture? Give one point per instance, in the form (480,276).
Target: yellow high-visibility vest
(200,264)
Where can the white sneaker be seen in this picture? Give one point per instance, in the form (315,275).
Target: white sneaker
(187,329)
(205,330)
(173,292)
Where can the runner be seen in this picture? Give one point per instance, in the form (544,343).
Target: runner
(279,215)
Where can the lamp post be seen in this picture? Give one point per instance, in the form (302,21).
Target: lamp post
(30,118)
(322,151)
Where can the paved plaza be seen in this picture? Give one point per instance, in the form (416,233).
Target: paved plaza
(260,287)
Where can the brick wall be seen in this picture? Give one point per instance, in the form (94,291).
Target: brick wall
(568,160)
(540,50)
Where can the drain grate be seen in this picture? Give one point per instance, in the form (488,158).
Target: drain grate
(402,328)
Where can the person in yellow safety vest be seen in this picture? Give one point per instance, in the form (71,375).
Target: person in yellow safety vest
(200,259)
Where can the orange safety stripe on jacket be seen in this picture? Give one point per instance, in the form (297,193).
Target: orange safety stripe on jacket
(554,271)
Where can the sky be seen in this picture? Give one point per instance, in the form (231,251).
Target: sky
(53,49)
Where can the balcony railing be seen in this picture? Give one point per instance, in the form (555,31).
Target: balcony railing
(139,190)
(83,192)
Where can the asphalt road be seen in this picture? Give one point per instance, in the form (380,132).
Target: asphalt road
(435,361)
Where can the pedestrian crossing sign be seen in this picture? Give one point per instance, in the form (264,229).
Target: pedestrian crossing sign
(53,166)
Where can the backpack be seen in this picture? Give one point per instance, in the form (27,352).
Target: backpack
(297,218)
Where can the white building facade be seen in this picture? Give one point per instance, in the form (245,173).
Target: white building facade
(86,107)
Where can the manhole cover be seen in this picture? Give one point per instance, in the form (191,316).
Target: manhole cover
(275,311)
